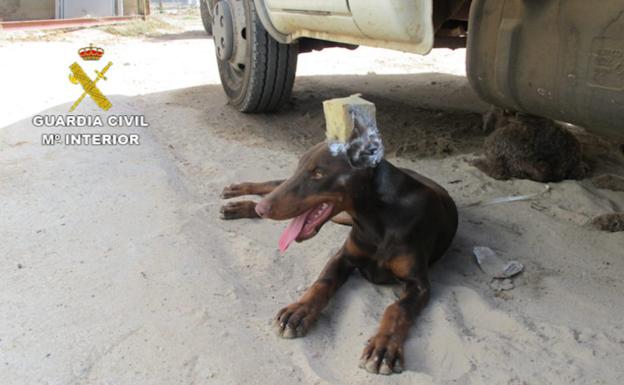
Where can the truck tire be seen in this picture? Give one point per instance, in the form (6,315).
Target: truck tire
(261,78)
(205,16)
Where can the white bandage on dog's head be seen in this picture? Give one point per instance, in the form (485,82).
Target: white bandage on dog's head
(364,147)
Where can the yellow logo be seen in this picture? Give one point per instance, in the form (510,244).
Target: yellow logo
(78,76)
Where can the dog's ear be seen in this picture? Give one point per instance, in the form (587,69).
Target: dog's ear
(364,148)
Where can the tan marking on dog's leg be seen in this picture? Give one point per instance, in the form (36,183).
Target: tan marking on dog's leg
(237,210)
(384,352)
(295,319)
(249,188)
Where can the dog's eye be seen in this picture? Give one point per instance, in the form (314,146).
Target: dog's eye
(317,173)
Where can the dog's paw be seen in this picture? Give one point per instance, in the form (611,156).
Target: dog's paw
(383,355)
(236,210)
(234,190)
(294,320)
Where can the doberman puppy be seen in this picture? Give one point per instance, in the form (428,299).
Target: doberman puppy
(401,223)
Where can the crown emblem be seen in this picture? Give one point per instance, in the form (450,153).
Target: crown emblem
(91,52)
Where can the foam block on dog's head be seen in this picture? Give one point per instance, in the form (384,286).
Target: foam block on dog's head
(352,130)
(338,116)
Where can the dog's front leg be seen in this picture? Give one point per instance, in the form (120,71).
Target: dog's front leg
(384,352)
(245,209)
(239,209)
(249,188)
(295,319)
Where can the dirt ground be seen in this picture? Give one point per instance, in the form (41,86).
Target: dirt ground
(116,268)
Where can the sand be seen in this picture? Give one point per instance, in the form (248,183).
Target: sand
(117,270)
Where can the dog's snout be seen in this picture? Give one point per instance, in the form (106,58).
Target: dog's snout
(263,208)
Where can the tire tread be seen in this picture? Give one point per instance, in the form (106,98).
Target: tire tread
(272,70)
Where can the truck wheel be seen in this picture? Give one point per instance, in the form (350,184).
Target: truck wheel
(205,16)
(257,73)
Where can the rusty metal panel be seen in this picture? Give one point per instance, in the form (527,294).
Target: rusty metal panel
(554,58)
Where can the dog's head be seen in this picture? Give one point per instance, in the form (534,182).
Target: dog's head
(324,182)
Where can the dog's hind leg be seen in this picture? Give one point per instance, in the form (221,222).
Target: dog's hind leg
(295,319)
(249,188)
(239,209)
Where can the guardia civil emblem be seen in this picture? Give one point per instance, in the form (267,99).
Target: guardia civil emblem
(89,86)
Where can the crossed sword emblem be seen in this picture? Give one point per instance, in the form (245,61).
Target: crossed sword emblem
(89,86)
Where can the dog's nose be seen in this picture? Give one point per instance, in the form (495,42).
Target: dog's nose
(263,208)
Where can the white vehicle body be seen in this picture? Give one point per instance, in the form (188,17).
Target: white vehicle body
(405,25)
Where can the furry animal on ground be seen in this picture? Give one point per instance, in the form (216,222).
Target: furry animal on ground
(529,147)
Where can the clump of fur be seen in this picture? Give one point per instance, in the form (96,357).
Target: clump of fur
(364,148)
(613,222)
(528,147)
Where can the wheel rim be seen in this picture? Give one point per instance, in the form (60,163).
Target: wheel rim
(230,39)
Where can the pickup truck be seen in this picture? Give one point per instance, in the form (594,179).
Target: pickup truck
(561,59)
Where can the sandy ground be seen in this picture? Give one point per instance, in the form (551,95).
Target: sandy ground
(116,269)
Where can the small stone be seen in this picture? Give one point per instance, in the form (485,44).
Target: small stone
(501,285)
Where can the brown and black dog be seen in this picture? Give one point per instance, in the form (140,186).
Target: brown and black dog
(401,223)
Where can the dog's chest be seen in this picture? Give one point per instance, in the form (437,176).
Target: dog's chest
(373,271)
(378,266)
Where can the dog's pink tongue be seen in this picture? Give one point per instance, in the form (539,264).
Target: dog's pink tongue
(292,231)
